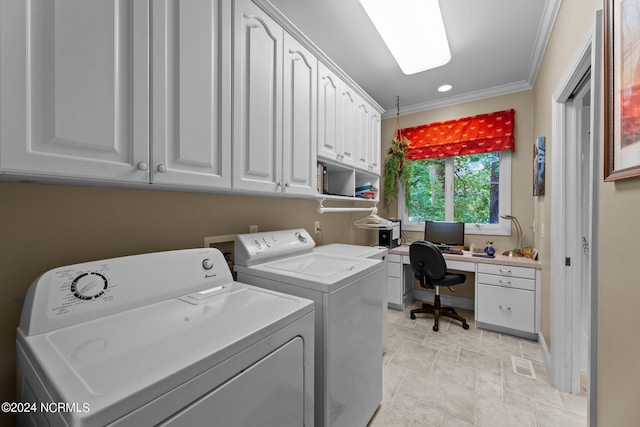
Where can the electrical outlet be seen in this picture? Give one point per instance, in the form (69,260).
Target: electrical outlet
(253,229)
(316,227)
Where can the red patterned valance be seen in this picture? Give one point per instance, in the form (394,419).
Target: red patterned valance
(469,135)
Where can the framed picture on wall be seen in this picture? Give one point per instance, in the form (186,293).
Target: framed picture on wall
(538,167)
(622,94)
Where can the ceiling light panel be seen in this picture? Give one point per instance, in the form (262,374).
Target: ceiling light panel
(413,31)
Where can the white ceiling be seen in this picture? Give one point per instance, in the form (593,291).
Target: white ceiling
(496,48)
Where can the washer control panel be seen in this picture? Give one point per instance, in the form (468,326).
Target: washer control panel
(81,292)
(257,248)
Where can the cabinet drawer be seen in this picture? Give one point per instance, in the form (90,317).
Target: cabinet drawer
(506,307)
(508,282)
(507,270)
(395,258)
(394,269)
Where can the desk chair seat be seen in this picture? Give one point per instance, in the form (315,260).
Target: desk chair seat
(430,268)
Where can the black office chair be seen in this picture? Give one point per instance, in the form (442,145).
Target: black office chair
(430,268)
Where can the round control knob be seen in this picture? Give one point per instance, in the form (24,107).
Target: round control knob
(162,168)
(300,237)
(89,286)
(207,264)
(143,166)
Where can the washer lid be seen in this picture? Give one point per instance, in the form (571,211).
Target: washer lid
(118,363)
(318,271)
(349,250)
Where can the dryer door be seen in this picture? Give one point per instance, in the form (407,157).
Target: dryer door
(268,393)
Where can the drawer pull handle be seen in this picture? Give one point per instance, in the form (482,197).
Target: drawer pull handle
(503,308)
(505,271)
(505,282)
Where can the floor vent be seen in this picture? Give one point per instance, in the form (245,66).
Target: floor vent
(523,367)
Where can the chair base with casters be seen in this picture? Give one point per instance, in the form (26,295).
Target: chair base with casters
(438,310)
(430,268)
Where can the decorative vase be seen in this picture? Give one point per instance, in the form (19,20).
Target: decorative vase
(489,250)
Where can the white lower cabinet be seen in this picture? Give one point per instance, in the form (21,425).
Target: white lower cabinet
(394,280)
(506,299)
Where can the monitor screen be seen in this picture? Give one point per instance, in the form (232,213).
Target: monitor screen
(444,233)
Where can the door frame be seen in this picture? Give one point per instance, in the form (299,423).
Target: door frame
(563,287)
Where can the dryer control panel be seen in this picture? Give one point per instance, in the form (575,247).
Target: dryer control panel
(258,248)
(81,292)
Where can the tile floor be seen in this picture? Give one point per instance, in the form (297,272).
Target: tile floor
(462,378)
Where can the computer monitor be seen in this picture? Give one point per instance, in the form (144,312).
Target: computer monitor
(444,233)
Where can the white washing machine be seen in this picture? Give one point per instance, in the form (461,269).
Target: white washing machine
(163,339)
(371,252)
(348,293)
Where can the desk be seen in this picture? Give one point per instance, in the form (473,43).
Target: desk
(507,289)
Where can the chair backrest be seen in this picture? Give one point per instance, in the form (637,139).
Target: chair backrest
(427,262)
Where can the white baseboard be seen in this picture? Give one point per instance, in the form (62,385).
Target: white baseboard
(546,356)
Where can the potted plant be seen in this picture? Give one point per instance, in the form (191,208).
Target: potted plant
(396,170)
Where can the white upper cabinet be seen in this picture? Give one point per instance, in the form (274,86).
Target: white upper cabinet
(275,106)
(257,94)
(300,118)
(348,125)
(333,94)
(362,135)
(75,89)
(368,138)
(191,95)
(76,101)
(183,94)
(374,142)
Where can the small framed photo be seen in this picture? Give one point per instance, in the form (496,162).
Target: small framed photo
(538,167)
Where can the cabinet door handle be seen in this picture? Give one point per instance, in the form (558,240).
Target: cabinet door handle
(287,185)
(504,308)
(505,282)
(143,166)
(505,271)
(162,168)
(278,184)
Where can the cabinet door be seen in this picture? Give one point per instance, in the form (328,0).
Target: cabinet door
(348,125)
(362,135)
(300,118)
(257,95)
(191,94)
(329,120)
(374,145)
(75,89)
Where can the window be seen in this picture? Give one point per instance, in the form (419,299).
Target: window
(474,189)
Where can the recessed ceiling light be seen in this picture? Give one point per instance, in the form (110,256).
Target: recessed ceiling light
(413,31)
(445,88)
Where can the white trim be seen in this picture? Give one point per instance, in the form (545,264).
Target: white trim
(562,279)
(455,100)
(544,350)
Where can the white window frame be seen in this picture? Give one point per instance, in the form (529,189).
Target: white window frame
(502,228)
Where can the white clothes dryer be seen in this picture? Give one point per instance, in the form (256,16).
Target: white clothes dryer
(348,295)
(163,339)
